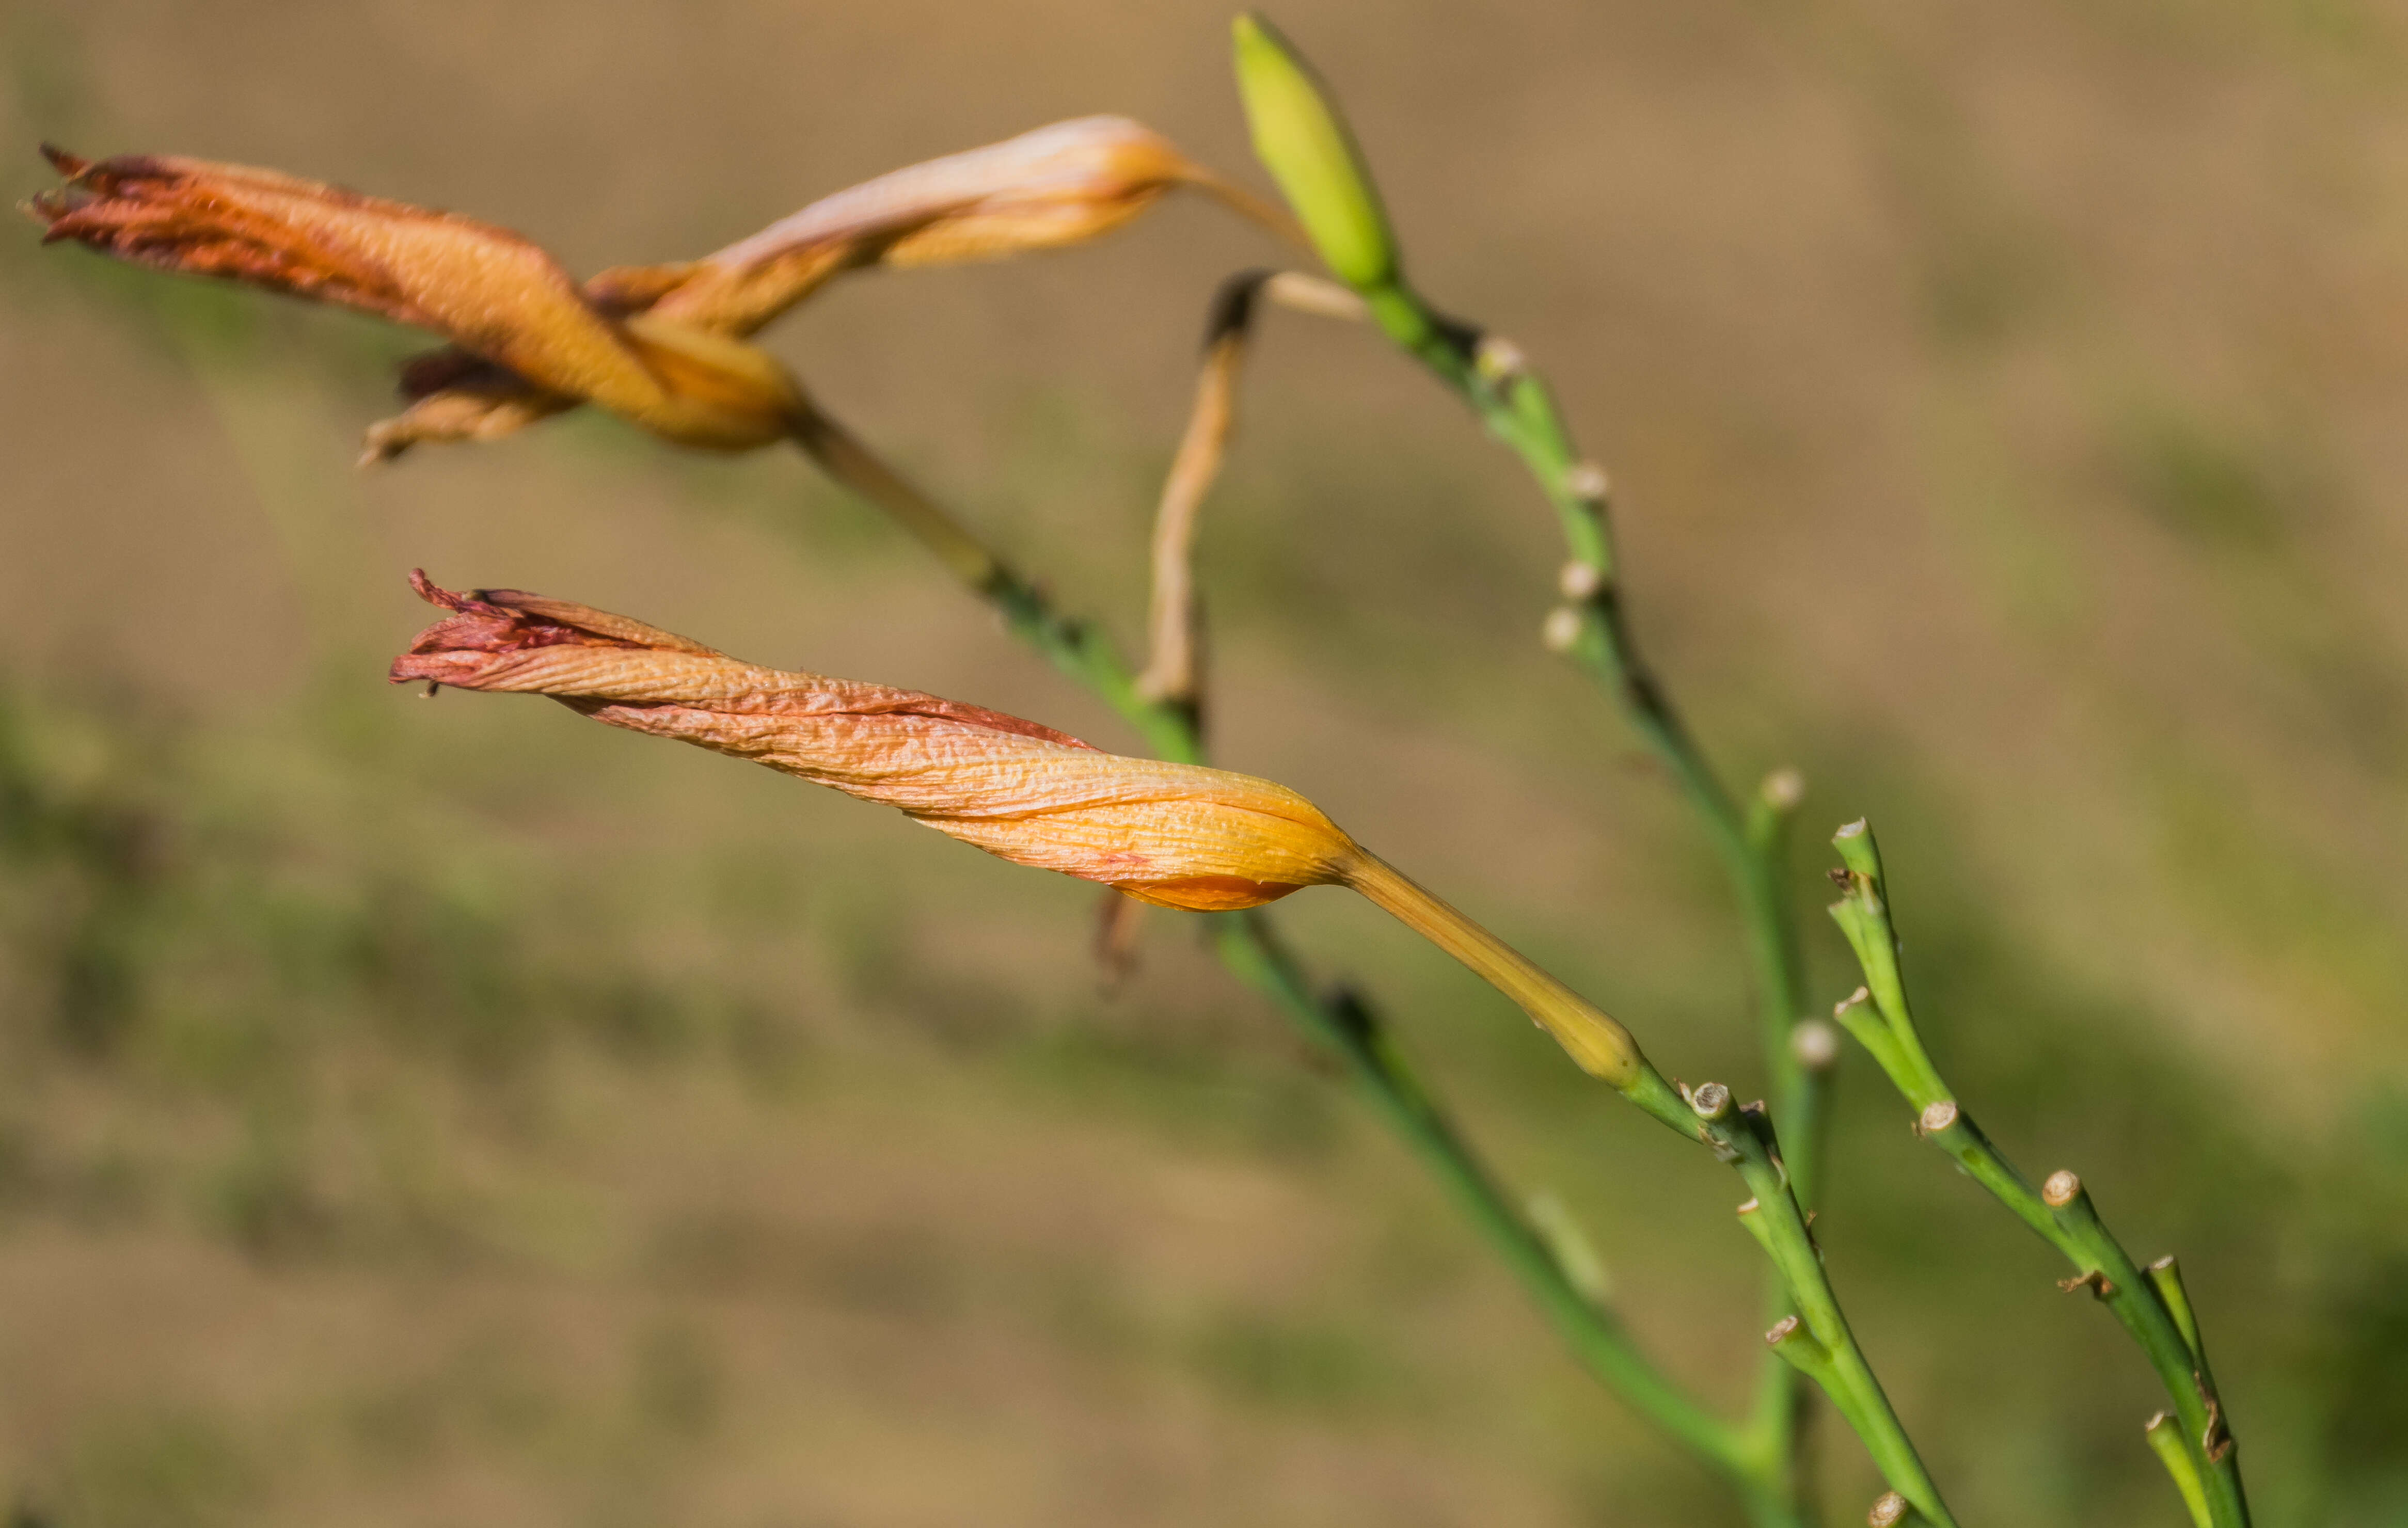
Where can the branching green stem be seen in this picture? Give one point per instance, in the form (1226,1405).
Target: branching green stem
(2152,1306)
(1340,1023)
(1745,1137)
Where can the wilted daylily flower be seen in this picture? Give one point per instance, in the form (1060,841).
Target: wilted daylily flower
(656,343)
(1181,835)
(482,287)
(1048,189)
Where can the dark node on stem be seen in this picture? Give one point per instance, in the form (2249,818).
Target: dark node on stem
(1463,339)
(1645,695)
(2217,1439)
(2061,1188)
(1233,306)
(1889,1512)
(1936,1119)
(2097,1283)
(1711,1101)
(1838,876)
(1351,1016)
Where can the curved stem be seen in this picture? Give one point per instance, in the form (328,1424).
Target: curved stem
(1173,620)
(1519,410)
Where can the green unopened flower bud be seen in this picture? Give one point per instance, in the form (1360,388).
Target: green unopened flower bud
(1303,141)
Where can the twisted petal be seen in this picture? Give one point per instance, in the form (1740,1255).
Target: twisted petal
(1178,834)
(1044,190)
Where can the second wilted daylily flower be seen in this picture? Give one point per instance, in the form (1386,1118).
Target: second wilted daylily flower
(659,344)
(1181,836)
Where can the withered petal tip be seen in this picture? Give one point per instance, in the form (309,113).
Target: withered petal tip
(435,594)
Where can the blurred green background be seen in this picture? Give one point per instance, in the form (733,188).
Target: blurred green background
(455,1113)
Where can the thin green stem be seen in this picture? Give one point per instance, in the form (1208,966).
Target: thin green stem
(1342,1023)
(2166,1441)
(2152,1307)
(1593,628)
(1346,1028)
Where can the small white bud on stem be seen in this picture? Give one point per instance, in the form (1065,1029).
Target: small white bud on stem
(1499,360)
(1815,1043)
(1784,788)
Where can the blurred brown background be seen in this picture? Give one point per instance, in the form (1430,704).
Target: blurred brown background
(458,1114)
